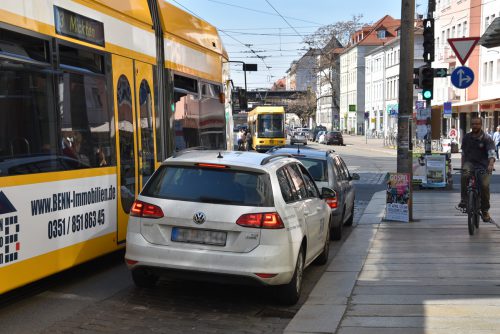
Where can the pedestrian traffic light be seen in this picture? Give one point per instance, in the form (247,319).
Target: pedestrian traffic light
(428,40)
(426,81)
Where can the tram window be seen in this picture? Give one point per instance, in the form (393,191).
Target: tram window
(28,122)
(146,122)
(186,122)
(81,59)
(211,90)
(85,120)
(126,136)
(188,84)
(28,47)
(212,119)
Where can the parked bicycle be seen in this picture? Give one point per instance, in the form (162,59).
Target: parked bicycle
(473,199)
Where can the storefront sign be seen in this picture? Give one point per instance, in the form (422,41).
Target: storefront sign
(77,26)
(447,110)
(397,197)
(393,110)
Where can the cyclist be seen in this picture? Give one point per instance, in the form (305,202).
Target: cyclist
(478,152)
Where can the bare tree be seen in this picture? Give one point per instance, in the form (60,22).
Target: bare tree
(331,40)
(304,106)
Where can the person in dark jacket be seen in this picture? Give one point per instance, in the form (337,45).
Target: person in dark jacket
(478,152)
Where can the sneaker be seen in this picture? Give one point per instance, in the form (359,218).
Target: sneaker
(462,205)
(486,217)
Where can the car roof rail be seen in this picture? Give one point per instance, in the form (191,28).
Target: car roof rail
(274,148)
(275,156)
(189,149)
(329,151)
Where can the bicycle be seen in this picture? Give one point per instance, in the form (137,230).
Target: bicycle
(473,204)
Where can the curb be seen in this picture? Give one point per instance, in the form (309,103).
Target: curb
(327,303)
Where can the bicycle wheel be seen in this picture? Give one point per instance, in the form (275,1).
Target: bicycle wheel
(471,212)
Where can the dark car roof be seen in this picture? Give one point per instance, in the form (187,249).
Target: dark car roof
(305,152)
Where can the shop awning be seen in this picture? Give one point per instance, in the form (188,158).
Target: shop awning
(491,37)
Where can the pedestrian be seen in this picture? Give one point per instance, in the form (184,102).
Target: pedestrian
(478,152)
(240,139)
(248,136)
(496,140)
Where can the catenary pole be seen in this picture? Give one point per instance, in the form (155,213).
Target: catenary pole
(404,151)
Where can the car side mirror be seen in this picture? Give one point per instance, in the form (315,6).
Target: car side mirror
(354,176)
(327,192)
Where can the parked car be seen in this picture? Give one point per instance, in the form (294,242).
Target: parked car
(318,135)
(318,129)
(238,217)
(298,138)
(334,137)
(328,169)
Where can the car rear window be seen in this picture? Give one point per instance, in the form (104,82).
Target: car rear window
(315,167)
(210,185)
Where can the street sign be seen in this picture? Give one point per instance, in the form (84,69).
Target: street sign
(463,47)
(352,107)
(453,133)
(440,72)
(462,77)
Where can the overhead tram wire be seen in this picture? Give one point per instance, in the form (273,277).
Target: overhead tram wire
(246,45)
(262,12)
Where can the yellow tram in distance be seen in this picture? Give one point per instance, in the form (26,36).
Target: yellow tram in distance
(94,95)
(267,127)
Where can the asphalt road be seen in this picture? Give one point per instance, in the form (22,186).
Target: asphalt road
(99,296)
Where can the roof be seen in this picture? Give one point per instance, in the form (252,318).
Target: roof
(246,160)
(368,34)
(268,109)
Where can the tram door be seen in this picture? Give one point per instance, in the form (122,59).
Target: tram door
(133,82)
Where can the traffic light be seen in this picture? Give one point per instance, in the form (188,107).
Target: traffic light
(428,40)
(426,81)
(242,99)
(416,77)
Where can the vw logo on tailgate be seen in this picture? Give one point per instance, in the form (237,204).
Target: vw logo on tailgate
(199,218)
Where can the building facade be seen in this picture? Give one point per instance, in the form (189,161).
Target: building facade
(467,18)
(382,83)
(353,72)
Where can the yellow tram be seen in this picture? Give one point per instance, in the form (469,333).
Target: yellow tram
(94,94)
(267,127)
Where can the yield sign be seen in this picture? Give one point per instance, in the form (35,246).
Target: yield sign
(463,47)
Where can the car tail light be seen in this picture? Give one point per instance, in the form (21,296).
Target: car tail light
(267,220)
(145,210)
(332,201)
(263,275)
(131,262)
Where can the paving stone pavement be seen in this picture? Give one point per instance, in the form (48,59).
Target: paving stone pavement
(425,277)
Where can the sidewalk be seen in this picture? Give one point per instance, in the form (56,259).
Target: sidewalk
(424,277)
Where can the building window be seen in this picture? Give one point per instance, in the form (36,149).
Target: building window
(381,34)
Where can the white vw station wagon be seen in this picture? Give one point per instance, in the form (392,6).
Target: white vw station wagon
(234,217)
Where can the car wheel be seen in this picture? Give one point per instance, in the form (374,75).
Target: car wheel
(289,294)
(144,278)
(323,257)
(351,218)
(337,229)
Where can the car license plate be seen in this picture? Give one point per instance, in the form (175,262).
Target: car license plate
(198,236)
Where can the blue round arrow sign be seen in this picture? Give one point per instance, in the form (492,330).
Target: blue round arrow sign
(462,77)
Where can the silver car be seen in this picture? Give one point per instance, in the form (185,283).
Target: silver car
(298,138)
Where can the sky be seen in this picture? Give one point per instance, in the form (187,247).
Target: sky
(274,29)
